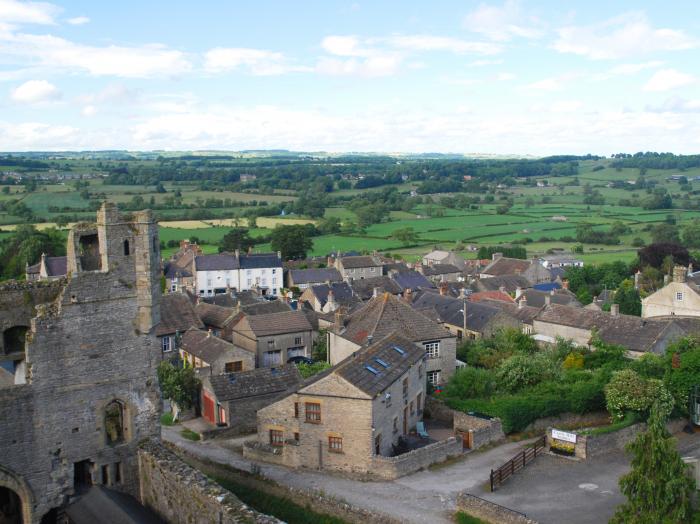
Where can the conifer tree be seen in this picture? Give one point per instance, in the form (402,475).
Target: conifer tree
(658,489)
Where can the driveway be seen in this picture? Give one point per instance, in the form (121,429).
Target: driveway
(550,490)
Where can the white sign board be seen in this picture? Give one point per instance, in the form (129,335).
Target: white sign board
(564,435)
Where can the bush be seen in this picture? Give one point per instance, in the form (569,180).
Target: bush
(470,382)
(628,391)
(309,370)
(166,419)
(521,371)
(573,360)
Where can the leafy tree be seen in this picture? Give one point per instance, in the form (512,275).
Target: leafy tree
(520,371)
(654,254)
(658,489)
(681,379)
(293,241)
(329,225)
(664,233)
(238,238)
(406,236)
(180,385)
(628,299)
(25,246)
(628,391)
(691,234)
(319,352)
(471,382)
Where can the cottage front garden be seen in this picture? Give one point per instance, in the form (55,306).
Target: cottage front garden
(509,376)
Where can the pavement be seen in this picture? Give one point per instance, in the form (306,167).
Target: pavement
(550,490)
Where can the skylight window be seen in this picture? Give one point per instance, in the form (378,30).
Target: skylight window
(371,370)
(399,350)
(381,363)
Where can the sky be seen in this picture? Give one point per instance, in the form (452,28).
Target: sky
(511,77)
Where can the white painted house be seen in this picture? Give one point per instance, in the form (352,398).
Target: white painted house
(217,273)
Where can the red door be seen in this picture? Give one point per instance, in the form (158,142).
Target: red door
(208,411)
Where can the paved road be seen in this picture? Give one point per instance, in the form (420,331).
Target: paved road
(550,490)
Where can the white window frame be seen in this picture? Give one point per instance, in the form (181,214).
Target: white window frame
(432,349)
(679,296)
(434,377)
(166,344)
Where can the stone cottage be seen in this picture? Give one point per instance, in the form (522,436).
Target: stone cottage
(345,416)
(385,314)
(359,267)
(231,400)
(177,315)
(680,297)
(211,355)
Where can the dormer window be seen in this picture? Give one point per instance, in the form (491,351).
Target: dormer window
(679,296)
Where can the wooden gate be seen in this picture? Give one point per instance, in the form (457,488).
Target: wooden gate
(208,411)
(517,463)
(467,439)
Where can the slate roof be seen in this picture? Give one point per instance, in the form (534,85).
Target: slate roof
(364,287)
(341,290)
(278,323)
(359,261)
(173,270)
(510,282)
(506,266)
(220,262)
(176,314)
(525,314)
(354,368)
(411,280)
(385,314)
(315,276)
(255,382)
(260,260)
(440,269)
(264,307)
(56,266)
(490,295)
(205,346)
(450,310)
(634,333)
(573,316)
(212,315)
(562,297)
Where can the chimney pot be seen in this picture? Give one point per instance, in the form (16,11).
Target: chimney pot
(679,273)
(375,292)
(565,283)
(615,310)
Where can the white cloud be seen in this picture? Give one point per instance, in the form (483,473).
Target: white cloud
(482,63)
(27,136)
(256,61)
(15,12)
(372,66)
(627,35)
(440,43)
(505,77)
(78,20)
(89,111)
(34,92)
(676,104)
(630,69)
(129,62)
(342,45)
(502,23)
(667,79)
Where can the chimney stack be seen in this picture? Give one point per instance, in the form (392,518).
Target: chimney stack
(522,303)
(679,274)
(502,289)
(666,279)
(443,288)
(279,255)
(548,300)
(238,254)
(408,295)
(690,269)
(565,283)
(518,292)
(375,292)
(615,310)
(338,320)
(496,256)
(330,301)
(209,333)
(637,277)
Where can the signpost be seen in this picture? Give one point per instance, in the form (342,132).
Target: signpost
(564,435)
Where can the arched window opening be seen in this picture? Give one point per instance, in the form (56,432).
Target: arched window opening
(10,507)
(14,339)
(114,422)
(126,248)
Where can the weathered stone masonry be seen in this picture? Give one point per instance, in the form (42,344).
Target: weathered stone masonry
(89,360)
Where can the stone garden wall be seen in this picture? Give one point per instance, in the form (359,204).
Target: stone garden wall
(489,512)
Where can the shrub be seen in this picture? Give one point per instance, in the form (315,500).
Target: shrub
(680,381)
(520,371)
(573,360)
(628,391)
(470,382)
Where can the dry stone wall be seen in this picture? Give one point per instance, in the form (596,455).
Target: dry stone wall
(490,512)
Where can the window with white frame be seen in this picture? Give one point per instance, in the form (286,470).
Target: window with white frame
(679,296)
(432,349)
(166,344)
(434,377)
(297,341)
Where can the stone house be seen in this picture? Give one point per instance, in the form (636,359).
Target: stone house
(441,272)
(231,400)
(215,318)
(506,283)
(366,288)
(305,278)
(345,416)
(412,280)
(325,298)
(215,274)
(386,314)
(82,354)
(177,315)
(210,355)
(679,297)
(274,338)
(359,267)
(531,269)
(179,270)
(537,298)
(439,256)
(48,268)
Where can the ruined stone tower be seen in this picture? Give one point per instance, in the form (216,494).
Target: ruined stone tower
(78,359)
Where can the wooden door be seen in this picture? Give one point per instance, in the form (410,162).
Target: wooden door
(208,408)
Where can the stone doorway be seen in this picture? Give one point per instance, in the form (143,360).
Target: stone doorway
(10,507)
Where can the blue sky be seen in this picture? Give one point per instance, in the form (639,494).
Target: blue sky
(513,77)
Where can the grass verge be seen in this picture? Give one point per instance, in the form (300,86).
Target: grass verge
(166,419)
(190,435)
(463,518)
